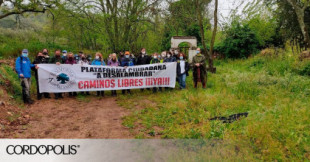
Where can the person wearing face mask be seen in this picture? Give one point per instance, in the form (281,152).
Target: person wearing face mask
(182,70)
(23,69)
(40,59)
(199,71)
(113,62)
(169,57)
(89,58)
(143,59)
(127,61)
(175,55)
(163,56)
(64,55)
(121,56)
(56,59)
(83,62)
(45,53)
(98,61)
(72,61)
(155,60)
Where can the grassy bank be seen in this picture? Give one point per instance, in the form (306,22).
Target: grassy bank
(274,90)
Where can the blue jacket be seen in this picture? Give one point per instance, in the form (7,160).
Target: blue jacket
(98,62)
(127,62)
(23,66)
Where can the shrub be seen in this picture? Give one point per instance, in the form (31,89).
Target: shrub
(240,42)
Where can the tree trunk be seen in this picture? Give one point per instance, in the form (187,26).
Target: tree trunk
(211,68)
(200,21)
(300,12)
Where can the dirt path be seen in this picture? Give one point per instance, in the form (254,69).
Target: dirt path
(91,117)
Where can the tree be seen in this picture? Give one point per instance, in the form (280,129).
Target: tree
(240,41)
(211,68)
(13,7)
(300,7)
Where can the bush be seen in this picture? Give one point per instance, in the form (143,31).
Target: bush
(240,42)
(303,68)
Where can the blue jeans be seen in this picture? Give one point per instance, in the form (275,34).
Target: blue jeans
(182,79)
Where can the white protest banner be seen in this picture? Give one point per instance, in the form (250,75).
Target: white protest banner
(74,78)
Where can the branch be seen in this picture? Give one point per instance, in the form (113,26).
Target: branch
(21,12)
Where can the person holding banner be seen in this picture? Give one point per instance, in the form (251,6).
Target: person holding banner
(82,62)
(125,62)
(113,62)
(23,69)
(45,53)
(64,55)
(169,57)
(40,59)
(199,71)
(71,60)
(163,56)
(155,60)
(182,70)
(56,60)
(143,59)
(99,62)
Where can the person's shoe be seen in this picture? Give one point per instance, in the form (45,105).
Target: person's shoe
(39,97)
(87,93)
(60,96)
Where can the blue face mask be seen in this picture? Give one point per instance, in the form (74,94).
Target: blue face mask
(25,54)
(127,56)
(198,52)
(181,57)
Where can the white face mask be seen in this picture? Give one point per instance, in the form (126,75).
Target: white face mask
(163,55)
(168,55)
(64,54)
(176,52)
(155,57)
(143,52)
(97,57)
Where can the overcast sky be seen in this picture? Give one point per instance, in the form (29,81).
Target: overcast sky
(226,6)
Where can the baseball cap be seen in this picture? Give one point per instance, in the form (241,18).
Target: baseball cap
(25,50)
(64,51)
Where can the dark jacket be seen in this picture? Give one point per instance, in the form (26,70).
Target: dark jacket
(171,59)
(54,59)
(73,61)
(179,67)
(143,60)
(155,61)
(39,60)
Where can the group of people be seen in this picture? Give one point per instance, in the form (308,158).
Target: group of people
(23,67)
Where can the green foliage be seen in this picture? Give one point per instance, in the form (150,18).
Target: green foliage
(240,41)
(269,89)
(264,28)
(13,41)
(303,68)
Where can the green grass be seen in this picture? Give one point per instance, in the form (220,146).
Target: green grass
(10,81)
(272,90)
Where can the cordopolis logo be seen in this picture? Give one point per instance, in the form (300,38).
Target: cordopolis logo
(42,149)
(62,78)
